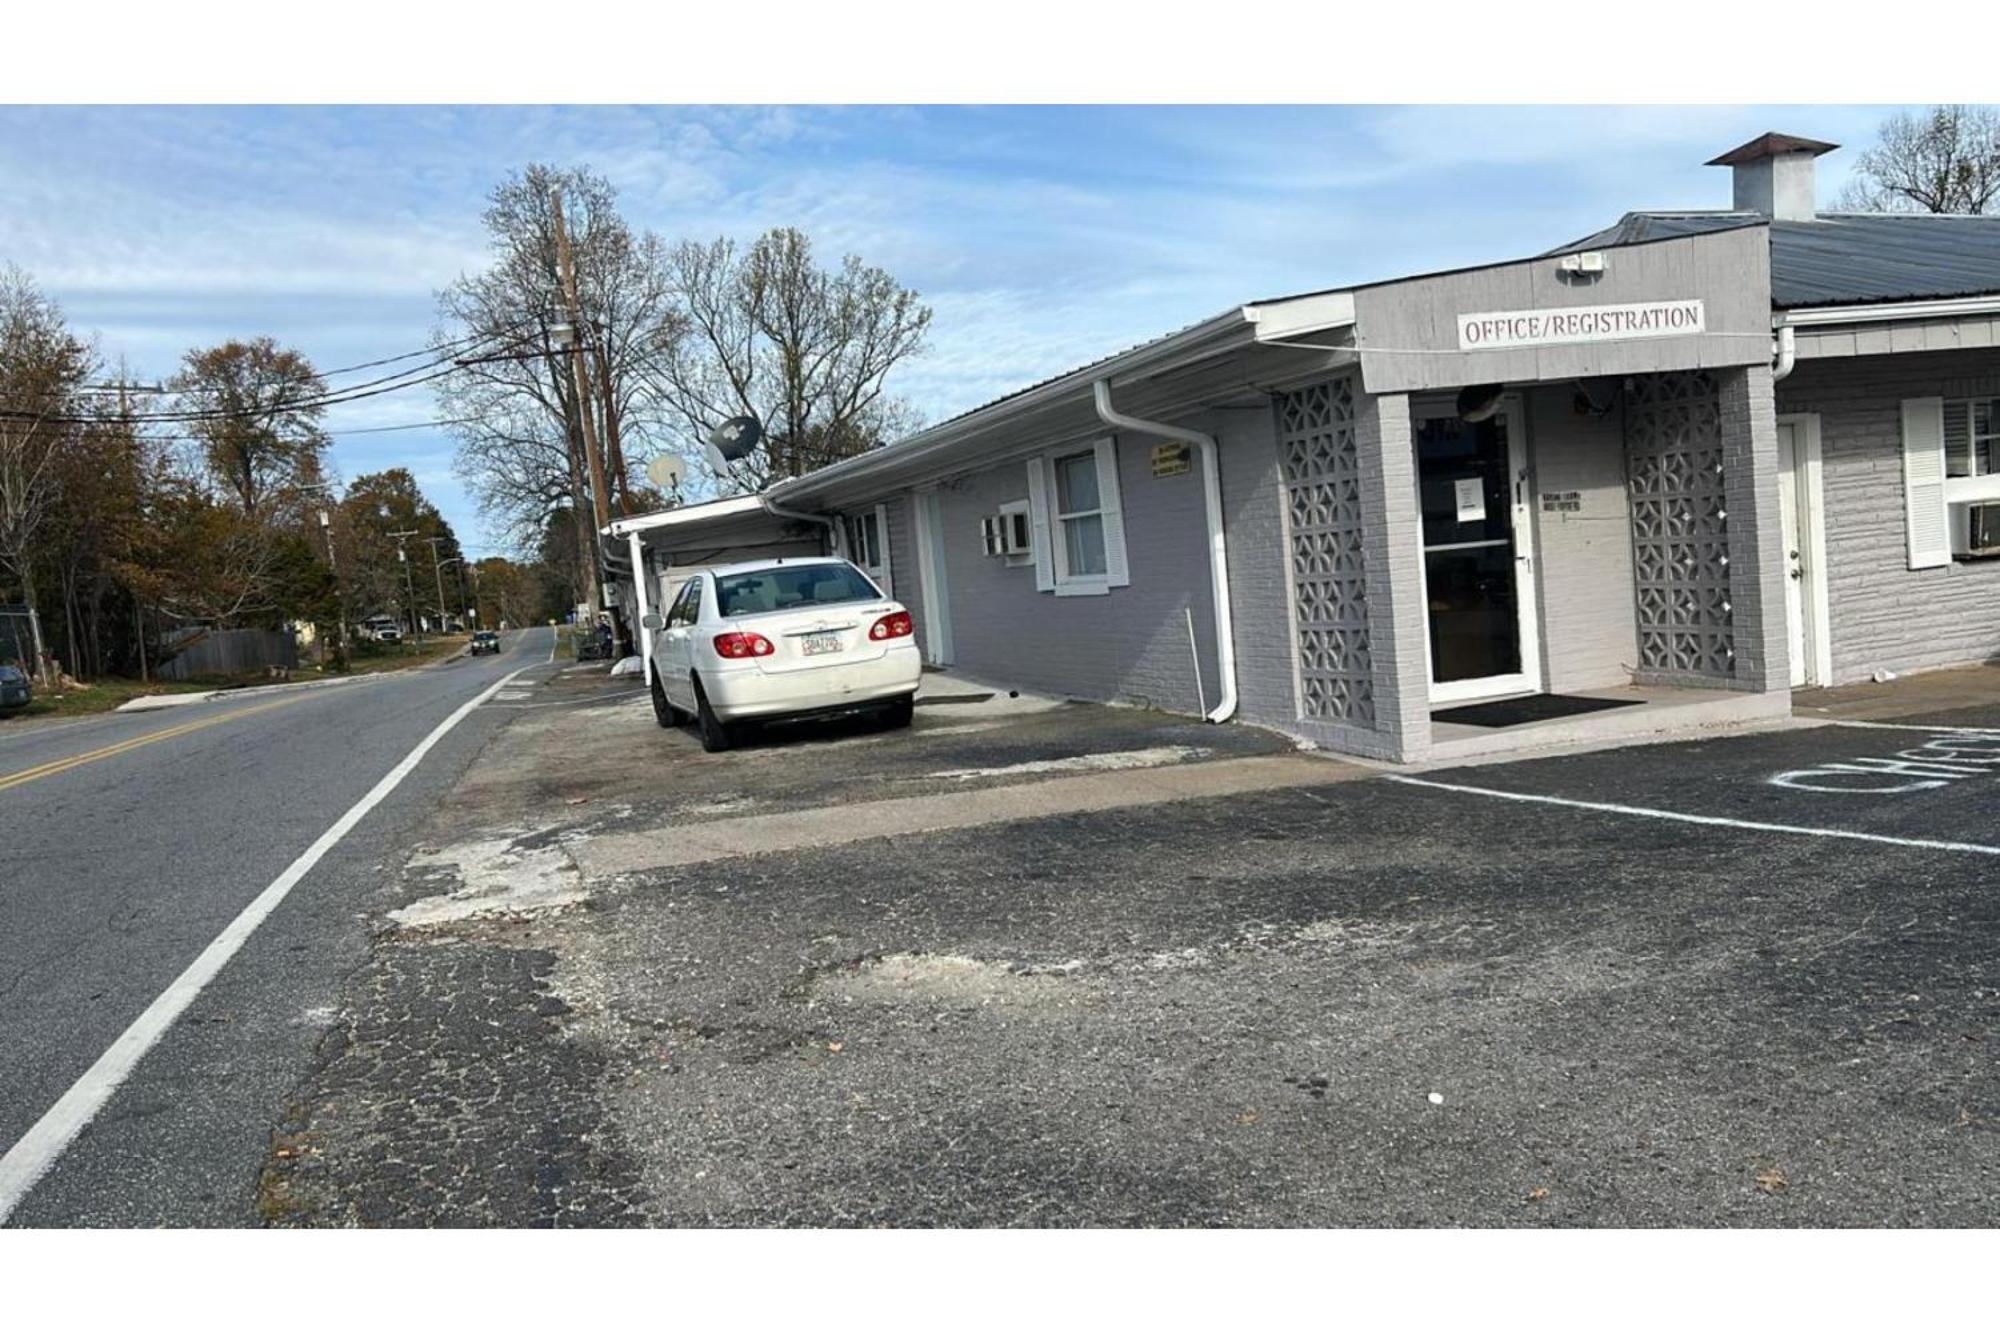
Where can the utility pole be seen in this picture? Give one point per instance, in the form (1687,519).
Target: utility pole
(409,584)
(438,570)
(339,590)
(599,499)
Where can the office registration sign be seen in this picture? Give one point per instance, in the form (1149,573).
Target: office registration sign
(1499,329)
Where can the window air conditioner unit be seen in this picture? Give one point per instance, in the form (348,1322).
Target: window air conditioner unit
(1982,529)
(1014,532)
(1005,533)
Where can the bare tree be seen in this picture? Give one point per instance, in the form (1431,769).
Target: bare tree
(520,438)
(766,332)
(1945,160)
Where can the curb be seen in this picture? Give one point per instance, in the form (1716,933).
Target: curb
(154,702)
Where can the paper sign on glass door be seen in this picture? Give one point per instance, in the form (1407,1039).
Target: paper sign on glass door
(1471,494)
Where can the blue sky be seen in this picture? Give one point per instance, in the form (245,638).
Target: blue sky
(1043,236)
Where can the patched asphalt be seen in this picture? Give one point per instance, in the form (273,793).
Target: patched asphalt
(1366,1004)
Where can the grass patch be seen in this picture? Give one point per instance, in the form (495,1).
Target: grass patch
(111,692)
(98,697)
(365,659)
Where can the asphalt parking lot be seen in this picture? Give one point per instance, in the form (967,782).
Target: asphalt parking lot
(1340,1000)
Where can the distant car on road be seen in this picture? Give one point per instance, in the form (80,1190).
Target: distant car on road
(781,639)
(16,691)
(485,641)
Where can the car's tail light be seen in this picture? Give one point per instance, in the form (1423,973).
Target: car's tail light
(895,625)
(736,643)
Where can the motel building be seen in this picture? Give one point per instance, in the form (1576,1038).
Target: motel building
(1655,478)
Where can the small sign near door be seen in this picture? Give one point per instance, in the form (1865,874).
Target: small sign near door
(1470,493)
(1173,460)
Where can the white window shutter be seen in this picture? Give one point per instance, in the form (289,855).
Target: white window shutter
(882,550)
(1924,513)
(1038,523)
(1117,572)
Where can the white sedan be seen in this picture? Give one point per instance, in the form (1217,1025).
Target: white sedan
(780,638)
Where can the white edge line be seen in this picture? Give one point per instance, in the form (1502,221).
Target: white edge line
(1645,812)
(1912,726)
(43,1145)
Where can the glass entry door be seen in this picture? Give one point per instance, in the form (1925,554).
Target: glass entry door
(1473,487)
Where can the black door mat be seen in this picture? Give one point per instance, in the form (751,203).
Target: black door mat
(1528,708)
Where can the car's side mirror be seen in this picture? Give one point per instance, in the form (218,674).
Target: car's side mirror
(651,620)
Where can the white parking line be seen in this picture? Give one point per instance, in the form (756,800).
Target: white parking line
(1752,825)
(1917,726)
(39,1149)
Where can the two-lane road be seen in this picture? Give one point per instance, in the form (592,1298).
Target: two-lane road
(131,844)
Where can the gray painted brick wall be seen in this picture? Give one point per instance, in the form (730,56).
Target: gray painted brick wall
(1756,532)
(1886,615)
(1130,644)
(1584,555)
(1395,549)
(1253,519)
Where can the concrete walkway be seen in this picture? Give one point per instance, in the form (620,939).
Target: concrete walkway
(832,825)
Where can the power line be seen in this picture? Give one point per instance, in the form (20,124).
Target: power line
(436,349)
(405,379)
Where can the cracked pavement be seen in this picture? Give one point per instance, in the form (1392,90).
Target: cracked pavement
(1347,1003)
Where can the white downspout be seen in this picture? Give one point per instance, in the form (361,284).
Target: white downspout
(1788,353)
(780,511)
(639,581)
(1218,550)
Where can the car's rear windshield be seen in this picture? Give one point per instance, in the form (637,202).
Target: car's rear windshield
(791,587)
(11,673)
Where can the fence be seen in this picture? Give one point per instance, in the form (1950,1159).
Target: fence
(226,652)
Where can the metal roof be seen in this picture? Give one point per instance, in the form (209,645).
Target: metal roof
(1771,145)
(1846,258)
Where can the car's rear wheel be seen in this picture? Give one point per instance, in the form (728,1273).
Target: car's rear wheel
(715,734)
(898,713)
(664,712)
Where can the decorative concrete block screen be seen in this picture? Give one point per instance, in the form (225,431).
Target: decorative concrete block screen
(1329,580)
(1680,526)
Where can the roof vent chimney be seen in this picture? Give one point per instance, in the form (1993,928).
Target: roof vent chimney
(1774,176)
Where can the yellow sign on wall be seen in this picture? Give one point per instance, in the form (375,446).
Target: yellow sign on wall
(1172,460)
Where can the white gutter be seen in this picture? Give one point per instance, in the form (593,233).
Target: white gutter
(1218,550)
(901,456)
(778,510)
(1951,308)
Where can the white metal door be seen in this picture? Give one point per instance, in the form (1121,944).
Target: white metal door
(1481,631)
(1803,531)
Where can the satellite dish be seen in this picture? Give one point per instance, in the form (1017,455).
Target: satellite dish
(732,441)
(1477,402)
(666,472)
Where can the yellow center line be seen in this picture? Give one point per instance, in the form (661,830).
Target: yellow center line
(55,766)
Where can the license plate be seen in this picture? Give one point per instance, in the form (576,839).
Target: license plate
(815,644)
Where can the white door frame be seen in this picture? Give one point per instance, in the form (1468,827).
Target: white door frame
(932,574)
(1809,497)
(1528,680)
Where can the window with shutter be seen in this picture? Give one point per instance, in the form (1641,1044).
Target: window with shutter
(1926,518)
